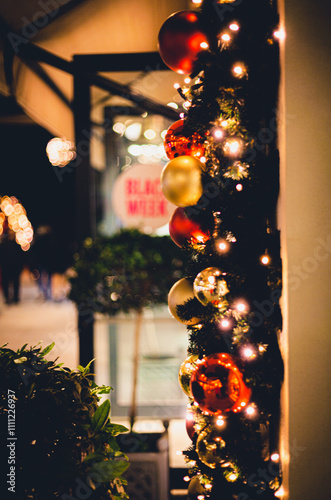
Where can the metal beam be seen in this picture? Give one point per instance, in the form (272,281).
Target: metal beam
(36,53)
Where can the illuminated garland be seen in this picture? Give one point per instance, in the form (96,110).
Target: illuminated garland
(223,175)
(14,214)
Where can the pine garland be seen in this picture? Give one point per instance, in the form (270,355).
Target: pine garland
(244,108)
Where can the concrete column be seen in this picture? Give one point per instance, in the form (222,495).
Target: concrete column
(304,215)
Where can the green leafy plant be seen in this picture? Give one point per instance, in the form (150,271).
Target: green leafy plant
(65,446)
(125,272)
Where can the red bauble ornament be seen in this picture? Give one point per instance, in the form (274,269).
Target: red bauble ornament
(190,424)
(176,144)
(185,228)
(181,38)
(217,385)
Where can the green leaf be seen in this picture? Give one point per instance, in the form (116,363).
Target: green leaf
(100,416)
(117,429)
(109,469)
(47,349)
(95,456)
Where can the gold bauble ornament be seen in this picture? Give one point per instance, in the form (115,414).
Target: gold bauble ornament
(210,287)
(181,181)
(180,292)
(185,371)
(210,448)
(195,487)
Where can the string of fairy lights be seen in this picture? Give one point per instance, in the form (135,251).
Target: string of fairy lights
(13,214)
(215,151)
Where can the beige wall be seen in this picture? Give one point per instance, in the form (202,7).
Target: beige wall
(304,210)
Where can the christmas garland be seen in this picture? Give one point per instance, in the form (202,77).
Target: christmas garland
(223,175)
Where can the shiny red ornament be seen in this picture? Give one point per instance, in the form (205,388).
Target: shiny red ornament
(217,385)
(184,228)
(177,144)
(190,424)
(182,36)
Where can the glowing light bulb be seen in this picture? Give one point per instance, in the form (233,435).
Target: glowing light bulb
(208,486)
(203,159)
(265,259)
(187,80)
(239,187)
(197,2)
(179,452)
(201,497)
(225,37)
(250,410)
(275,457)
(225,323)
(280,493)
(220,422)
(232,477)
(233,147)
(204,45)
(234,27)
(280,34)
(222,246)
(218,133)
(176,86)
(248,352)
(241,307)
(186,478)
(238,70)
(181,115)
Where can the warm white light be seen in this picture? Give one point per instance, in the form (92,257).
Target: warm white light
(280,493)
(239,187)
(238,70)
(181,115)
(187,80)
(275,457)
(233,147)
(248,352)
(119,128)
(204,45)
(201,497)
(218,133)
(203,159)
(176,86)
(250,410)
(133,131)
(220,422)
(150,134)
(135,150)
(226,37)
(234,27)
(280,34)
(172,105)
(60,152)
(186,104)
(232,477)
(241,307)
(179,452)
(265,259)
(222,246)
(197,2)
(225,323)
(186,478)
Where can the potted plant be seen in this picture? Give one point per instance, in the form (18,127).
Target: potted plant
(60,442)
(125,272)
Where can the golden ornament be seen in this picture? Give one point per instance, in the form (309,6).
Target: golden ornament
(181,181)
